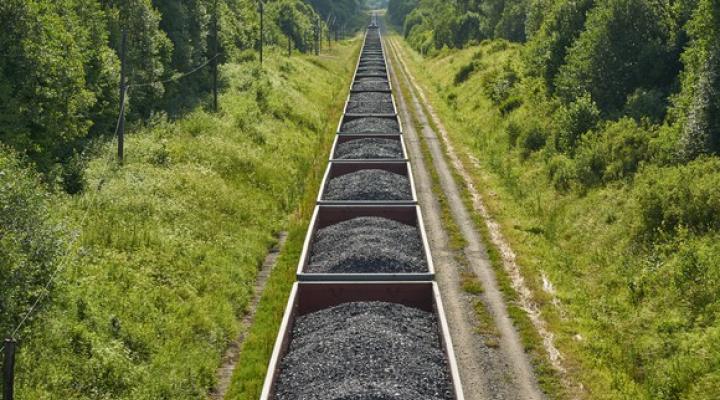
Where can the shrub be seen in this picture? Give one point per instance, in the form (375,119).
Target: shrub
(532,140)
(645,104)
(29,242)
(73,174)
(679,196)
(561,171)
(464,73)
(513,130)
(615,153)
(510,104)
(497,85)
(573,121)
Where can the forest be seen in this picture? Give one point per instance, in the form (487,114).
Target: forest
(597,125)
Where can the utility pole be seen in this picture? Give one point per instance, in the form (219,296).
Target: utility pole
(215,57)
(123,90)
(9,370)
(262,35)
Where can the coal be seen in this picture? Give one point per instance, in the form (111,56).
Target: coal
(367,245)
(370,185)
(371,96)
(369,148)
(371,86)
(378,74)
(371,125)
(368,79)
(370,107)
(365,351)
(372,63)
(368,70)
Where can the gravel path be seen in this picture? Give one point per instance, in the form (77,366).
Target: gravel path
(369,148)
(367,245)
(371,125)
(369,184)
(365,351)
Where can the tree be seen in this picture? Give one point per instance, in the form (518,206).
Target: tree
(699,101)
(617,53)
(546,52)
(56,71)
(149,51)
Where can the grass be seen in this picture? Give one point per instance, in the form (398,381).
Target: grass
(171,242)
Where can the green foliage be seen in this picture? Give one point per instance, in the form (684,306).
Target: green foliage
(59,70)
(683,196)
(341,13)
(55,71)
(464,72)
(698,103)
(546,52)
(618,52)
(646,105)
(573,121)
(511,25)
(399,9)
(613,153)
(605,191)
(498,84)
(30,243)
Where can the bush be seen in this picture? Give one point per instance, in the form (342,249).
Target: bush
(645,104)
(510,104)
(29,242)
(561,171)
(532,140)
(617,53)
(497,85)
(464,72)
(680,196)
(615,153)
(573,121)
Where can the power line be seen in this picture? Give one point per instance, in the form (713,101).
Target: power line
(176,77)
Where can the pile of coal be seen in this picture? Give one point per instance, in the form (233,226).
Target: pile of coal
(365,351)
(369,148)
(371,125)
(368,185)
(367,245)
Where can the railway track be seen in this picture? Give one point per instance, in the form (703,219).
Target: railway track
(365,319)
